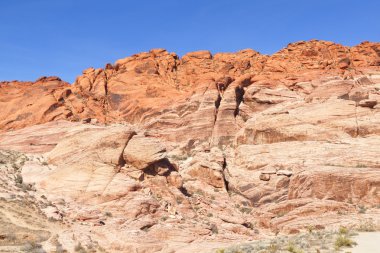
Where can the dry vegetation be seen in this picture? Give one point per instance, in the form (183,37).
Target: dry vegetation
(321,241)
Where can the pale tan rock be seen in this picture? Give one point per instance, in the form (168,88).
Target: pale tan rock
(85,168)
(287,173)
(206,167)
(40,138)
(355,185)
(329,120)
(175,180)
(143,151)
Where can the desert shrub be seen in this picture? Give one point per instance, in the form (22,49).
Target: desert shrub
(367,226)
(214,229)
(199,192)
(32,247)
(52,219)
(59,248)
(343,231)
(18,179)
(273,248)
(246,210)
(281,213)
(15,166)
(293,248)
(179,200)
(310,228)
(343,241)
(25,187)
(9,237)
(362,209)
(79,248)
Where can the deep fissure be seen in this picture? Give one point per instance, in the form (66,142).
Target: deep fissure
(239,96)
(226,183)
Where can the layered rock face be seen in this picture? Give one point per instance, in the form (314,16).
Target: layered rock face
(202,96)
(157,153)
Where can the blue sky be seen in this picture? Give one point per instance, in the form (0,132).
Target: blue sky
(63,37)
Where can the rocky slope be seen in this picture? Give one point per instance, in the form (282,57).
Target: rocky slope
(157,153)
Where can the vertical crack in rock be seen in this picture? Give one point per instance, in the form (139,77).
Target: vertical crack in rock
(105,84)
(105,100)
(121,161)
(356,119)
(239,96)
(224,171)
(217,104)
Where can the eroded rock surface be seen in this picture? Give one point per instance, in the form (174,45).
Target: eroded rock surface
(157,153)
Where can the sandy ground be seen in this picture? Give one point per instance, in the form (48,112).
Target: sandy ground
(368,242)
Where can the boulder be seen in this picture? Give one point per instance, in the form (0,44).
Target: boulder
(143,151)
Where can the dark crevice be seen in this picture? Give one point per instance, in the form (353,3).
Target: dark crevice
(152,169)
(217,104)
(248,225)
(239,96)
(105,100)
(105,84)
(185,192)
(146,227)
(226,183)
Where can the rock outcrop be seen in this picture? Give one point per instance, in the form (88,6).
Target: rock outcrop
(186,154)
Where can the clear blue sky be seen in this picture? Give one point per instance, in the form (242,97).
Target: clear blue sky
(63,37)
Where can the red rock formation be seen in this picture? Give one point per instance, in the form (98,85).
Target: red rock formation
(200,95)
(29,103)
(209,142)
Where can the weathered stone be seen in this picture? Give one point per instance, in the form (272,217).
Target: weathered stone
(226,141)
(264,177)
(143,151)
(287,173)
